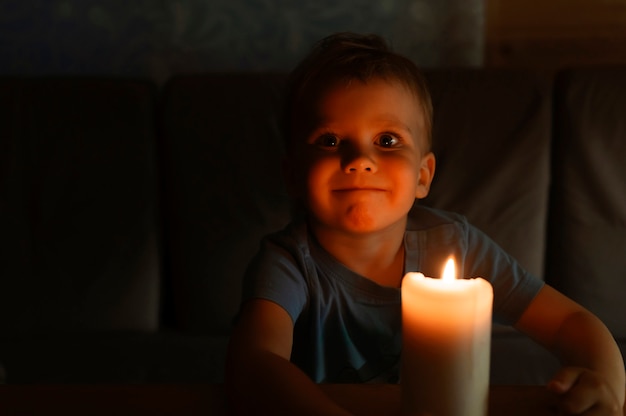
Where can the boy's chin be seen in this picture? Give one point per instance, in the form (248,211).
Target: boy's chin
(360,219)
(363,225)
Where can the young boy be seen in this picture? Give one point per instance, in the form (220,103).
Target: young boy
(322,297)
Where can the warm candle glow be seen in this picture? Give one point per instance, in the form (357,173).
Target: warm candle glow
(446,334)
(449,271)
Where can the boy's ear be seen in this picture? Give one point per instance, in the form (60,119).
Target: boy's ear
(426,174)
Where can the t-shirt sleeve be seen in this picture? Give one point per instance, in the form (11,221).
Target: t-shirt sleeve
(514,288)
(276,274)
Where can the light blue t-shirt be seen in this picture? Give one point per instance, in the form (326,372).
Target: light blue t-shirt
(348,328)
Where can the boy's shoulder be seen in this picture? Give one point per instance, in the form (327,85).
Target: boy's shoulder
(292,238)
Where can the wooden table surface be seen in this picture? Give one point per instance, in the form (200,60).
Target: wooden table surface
(208,399)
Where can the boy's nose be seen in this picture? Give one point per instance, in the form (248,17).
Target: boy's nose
(359,162)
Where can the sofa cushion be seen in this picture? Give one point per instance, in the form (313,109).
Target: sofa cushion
(587,240)
(493,164)
(517,359)
(222,154)
(78,240)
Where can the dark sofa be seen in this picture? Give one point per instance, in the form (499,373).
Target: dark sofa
(128,211)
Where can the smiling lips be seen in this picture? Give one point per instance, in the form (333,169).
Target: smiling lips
(359,189)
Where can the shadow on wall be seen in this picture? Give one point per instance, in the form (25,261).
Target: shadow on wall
(158,39)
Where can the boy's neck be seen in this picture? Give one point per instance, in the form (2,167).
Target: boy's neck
(377,256)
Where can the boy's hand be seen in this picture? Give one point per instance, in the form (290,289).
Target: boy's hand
(584,392)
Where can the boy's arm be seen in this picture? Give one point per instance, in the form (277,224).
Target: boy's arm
(593,374)
(260,379)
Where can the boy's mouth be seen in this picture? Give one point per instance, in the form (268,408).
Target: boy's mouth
(358,189)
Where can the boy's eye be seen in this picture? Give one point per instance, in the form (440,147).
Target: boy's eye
(327,140)
(387,140)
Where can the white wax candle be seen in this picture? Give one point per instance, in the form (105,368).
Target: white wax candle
(446,332)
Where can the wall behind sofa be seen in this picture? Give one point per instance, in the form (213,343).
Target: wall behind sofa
(159,38)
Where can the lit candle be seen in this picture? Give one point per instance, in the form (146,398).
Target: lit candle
(446,332)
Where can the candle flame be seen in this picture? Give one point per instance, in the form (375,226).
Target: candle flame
(449,271)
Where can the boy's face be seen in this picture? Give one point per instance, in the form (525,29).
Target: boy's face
(361,166)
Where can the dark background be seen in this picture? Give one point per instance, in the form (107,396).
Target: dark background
(159,38)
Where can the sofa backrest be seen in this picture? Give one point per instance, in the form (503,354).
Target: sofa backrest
(222,154)
(491,138)
(587,239)
(78,218)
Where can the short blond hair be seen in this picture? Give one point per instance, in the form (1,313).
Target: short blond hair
(344,57)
